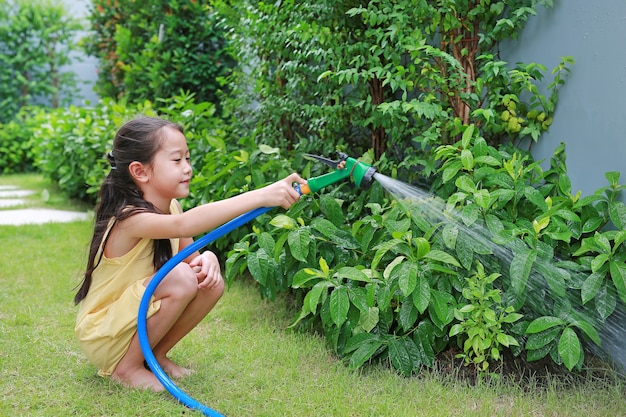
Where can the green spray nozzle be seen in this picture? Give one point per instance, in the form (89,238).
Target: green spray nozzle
(346,167)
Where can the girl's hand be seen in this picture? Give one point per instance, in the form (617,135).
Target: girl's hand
(207,269)
(282,193)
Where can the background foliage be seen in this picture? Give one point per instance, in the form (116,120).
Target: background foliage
(395,77)
(153,49)
(37,38)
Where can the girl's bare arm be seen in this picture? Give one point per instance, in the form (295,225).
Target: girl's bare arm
(204,218)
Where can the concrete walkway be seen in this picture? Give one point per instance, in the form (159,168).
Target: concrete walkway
(12,198)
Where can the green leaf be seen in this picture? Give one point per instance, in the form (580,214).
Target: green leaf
(305,275)
(591,286)
(467,136)
(599,261)
(441,256)
(352,274)
(369,319)
(617,212)
(422,339)
(315,294)
(408,315)
(259,266)
(421,296)
(339,305)
(555,277)
(467,158)
(423,246)
(324,226)
(592,224)
(450,170)
(470,213)
(520,269)
(299,241)
(332,210)
(506,340)
(382,249)
(384,296)
(456,329)
(612,177)
(266,242)
(324,267)
(618,275)
(449,235)
(465,183)
(358,340)
(283,221)
(408,278)
(268,150)
(365,352)
(541,339)
(605,301)
(400,357)
(589,330)
(536,198)
(535,355)
(440,302)
(483,199)
(512,317)
(570,348)
(542,323)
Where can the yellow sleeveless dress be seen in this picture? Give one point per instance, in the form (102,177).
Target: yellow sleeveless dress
(107,318)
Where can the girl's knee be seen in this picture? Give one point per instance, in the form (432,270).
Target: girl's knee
(214,292)
(219,288)
(181,282)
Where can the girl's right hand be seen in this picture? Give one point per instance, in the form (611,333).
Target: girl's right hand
(282,193)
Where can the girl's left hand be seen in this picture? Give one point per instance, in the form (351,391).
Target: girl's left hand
(207,269)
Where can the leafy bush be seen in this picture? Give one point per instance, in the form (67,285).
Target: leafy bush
(70,144)
(16,154)
(149,50)
(416,276)
(36,42)
(396,77)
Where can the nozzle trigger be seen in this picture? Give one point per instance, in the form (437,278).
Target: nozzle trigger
(334,164)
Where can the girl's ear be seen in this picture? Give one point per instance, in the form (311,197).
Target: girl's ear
(138,171)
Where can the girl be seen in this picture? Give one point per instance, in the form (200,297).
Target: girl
(139,225)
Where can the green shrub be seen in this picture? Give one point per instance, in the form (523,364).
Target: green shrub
(16,154)
(154,49)
(396,77)
(70,144)
(36,42)
(509,259)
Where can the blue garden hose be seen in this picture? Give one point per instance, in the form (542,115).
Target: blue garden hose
(142,317)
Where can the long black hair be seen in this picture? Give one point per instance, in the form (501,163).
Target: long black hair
(119,197)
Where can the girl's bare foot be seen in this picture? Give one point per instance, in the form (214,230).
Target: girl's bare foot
(173,370)
(139,378)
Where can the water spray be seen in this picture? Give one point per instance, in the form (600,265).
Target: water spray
(345,167)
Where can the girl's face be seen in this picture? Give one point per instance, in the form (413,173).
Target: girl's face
(170,170)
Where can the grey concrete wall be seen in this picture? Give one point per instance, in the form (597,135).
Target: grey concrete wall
(591,115)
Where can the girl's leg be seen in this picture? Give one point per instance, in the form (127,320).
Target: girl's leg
(175,292)
(198,308)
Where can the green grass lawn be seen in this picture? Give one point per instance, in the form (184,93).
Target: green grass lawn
(246,362)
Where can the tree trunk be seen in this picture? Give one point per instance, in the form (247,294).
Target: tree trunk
(379,136)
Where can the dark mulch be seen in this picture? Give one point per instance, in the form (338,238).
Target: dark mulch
(544,372)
